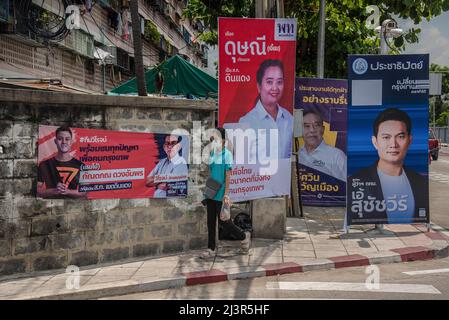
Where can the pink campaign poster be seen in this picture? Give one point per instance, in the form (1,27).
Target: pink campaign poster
(256,100)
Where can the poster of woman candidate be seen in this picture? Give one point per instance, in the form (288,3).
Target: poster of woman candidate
(322,147)
(388,139)
(83,163)
(256,98)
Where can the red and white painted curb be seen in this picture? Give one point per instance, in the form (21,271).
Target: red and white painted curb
(439,249)
(356,260)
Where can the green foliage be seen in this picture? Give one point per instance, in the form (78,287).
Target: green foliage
(346,29)
(209,10)
(151,33)
(443,117)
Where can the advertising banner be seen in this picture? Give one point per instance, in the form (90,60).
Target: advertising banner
(256,98)
(101,164)
(388,139)
(322,147)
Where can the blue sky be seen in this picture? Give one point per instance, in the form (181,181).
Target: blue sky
(434,38)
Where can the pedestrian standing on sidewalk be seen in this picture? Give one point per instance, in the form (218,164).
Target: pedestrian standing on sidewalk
(220,165)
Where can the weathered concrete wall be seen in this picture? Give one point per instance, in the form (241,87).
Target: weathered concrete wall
(39,234)
(269,218)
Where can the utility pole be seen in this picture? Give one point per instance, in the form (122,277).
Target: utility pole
(137,41)
(260,12)
(321,40)
(388,29)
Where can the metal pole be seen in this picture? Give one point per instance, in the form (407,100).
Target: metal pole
(259,9)
(104,78)
(137,41)
(280,9)
(383,50)
(321,40)
(434,124)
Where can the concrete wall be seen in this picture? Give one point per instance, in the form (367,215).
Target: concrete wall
(39,234)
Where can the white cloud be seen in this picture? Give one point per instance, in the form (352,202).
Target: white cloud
(431,40)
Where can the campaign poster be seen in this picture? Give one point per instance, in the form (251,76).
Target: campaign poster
(256,99)
(388,139)
(83,163)
(322,146)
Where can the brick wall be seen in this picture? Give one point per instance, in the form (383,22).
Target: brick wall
(40,234)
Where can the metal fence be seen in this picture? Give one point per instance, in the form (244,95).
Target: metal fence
(442,134)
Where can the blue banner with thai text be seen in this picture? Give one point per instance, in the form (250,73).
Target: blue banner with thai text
(388,139)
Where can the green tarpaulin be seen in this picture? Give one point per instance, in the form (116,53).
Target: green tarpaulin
(179,78)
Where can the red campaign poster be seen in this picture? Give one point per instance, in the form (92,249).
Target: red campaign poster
(256,100)
(101,164)
(243,45)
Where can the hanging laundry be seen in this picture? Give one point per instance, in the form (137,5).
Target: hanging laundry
(125,21)
(119,24)
(88,5)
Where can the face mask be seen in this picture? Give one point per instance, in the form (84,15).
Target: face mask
(215,145)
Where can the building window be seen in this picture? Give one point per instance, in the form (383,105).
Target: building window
(186,35)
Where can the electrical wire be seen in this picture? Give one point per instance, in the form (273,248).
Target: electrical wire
(31,21)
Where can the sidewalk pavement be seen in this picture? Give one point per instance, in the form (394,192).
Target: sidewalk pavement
(316,242)
(444,148)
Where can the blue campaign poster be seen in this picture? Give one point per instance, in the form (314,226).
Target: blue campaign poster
(387,138)
(322,147)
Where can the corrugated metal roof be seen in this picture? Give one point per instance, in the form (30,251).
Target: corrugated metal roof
(41,84)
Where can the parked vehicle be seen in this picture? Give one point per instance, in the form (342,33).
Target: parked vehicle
(434,145)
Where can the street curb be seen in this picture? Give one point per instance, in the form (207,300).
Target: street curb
(204,277)
(215,275)
(354,260)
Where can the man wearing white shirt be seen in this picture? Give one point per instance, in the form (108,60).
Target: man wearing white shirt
(316,153)
(168,168)
(268,114)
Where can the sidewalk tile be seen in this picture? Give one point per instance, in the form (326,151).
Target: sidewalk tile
(263,251)
(19,287)
(297,246)
(288,255)
(111,272)
(329,253)
(260,260)
(96,280)
(233,262)
(60,282)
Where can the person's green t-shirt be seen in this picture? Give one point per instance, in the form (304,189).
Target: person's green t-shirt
(218,164)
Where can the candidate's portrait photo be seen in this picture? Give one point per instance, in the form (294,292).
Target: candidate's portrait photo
(59,175)
(403,190)
(170,170)
(316,153)
(267,113)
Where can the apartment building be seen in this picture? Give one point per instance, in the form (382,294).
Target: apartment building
(99,54)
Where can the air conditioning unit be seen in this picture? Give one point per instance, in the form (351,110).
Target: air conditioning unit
(120,57)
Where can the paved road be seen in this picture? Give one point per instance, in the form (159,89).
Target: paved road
(346,283)
(426,280)
(439,191)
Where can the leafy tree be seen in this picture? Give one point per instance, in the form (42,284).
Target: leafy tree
(346,29)
(440,103)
